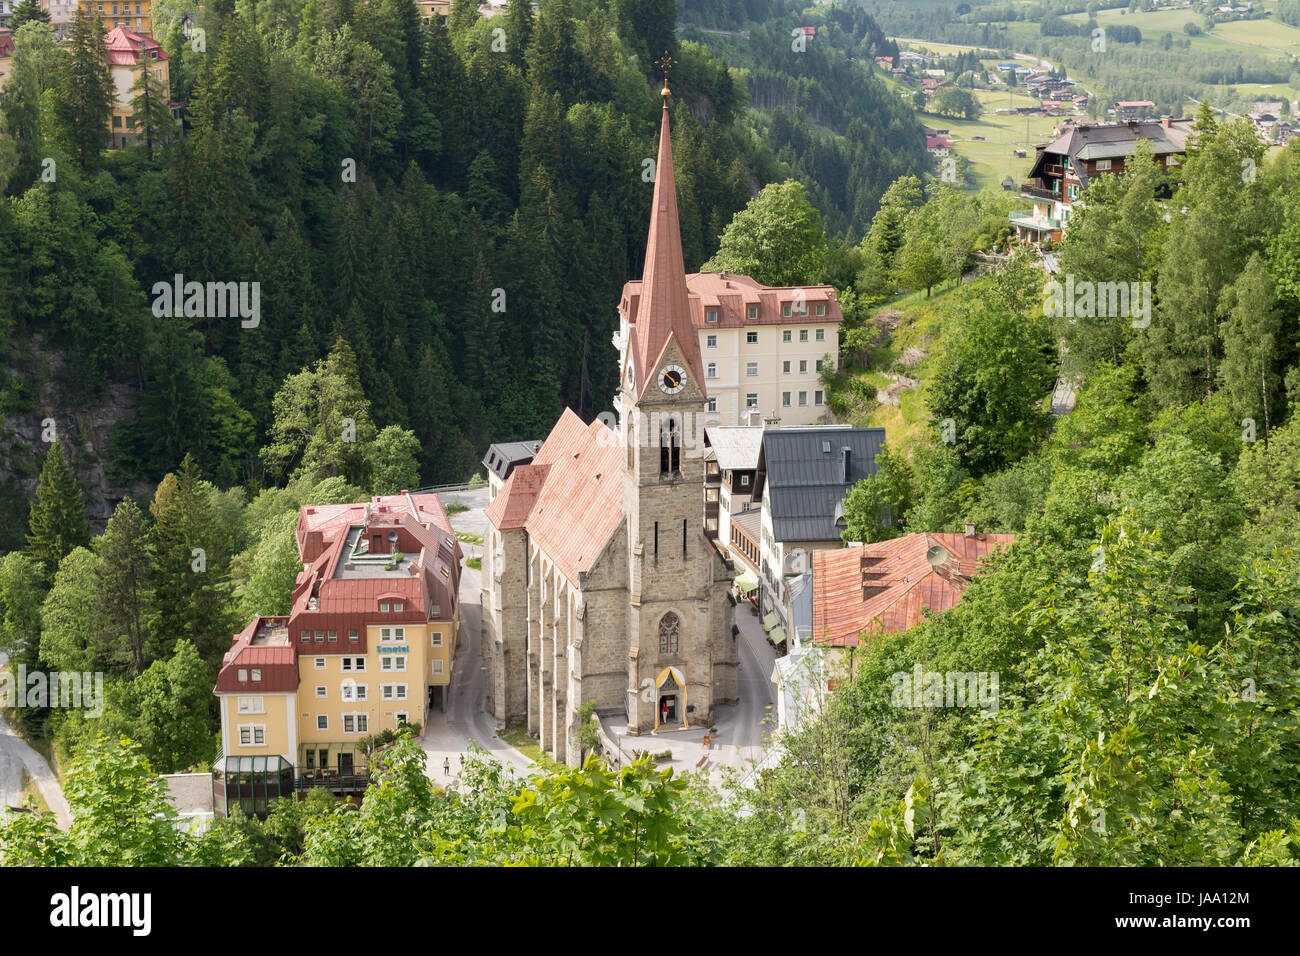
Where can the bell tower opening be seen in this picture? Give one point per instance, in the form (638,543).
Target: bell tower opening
(670,447)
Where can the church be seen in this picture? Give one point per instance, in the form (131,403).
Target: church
(599,582)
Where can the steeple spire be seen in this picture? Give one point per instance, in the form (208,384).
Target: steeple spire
(664,308)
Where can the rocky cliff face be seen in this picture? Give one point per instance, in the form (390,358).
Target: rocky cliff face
(37,412)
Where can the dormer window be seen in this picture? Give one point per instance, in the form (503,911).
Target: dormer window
(751,312)
(397,606)
(256,674)
(383,607)
(710,315)
(785,309)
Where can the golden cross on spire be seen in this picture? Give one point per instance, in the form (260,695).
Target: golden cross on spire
(665,63)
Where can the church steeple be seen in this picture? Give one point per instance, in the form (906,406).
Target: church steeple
(664,309)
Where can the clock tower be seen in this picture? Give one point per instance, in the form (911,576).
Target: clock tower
(681,650)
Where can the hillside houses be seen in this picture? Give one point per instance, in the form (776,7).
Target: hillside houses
(1063,168)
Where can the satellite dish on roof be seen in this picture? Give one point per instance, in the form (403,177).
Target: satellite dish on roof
(937,556)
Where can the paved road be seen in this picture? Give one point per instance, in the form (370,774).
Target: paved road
(15,757)
(447,735)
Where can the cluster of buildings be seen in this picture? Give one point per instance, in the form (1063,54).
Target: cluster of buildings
(129,49)
(616,556)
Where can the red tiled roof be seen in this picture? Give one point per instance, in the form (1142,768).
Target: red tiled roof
(665,307)
(6,43)
(937,142)
(276,662)
(732,294)
(125,47)
(509,510)
(579,503)
(887,586)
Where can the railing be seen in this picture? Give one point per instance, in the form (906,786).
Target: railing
(439,489)
(333,780)
(1038,192)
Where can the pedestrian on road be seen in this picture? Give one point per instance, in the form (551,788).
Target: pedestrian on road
(446,766)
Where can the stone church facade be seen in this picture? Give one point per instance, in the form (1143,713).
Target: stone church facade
(599,583)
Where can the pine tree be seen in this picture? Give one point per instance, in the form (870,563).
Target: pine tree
(58,521)
(191,596)
(150,109)
(27,11)
(124,581)
(88,91)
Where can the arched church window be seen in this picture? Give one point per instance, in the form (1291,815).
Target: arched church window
(669,626)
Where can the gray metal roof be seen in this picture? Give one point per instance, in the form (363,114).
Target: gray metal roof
(735,446)
(802,472)
(502,457)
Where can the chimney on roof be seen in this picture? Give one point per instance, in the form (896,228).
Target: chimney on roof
(405,492)
(845,454)
(772,421)
(970,529)
(1165,122)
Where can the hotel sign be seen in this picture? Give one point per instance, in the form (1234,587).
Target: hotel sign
(403,649)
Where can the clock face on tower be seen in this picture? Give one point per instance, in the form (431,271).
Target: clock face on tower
(672,379)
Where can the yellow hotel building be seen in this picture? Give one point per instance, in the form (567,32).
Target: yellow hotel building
(134,15)
(368,646)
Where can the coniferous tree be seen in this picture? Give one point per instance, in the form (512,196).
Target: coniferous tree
(125,578)
(87,90)
(27,11)
(191,598)
(58,521)
(151,113)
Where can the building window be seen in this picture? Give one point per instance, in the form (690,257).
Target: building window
(383,607)
(332,637)
(435,639)
(354,635)
(398,606)
(820,335)
(392,662)
(803,366)
(820,364)
(321,692)
(256,674)
(751,337)
(394,691)
(751,399)
(751,370)
(320,637)
(710,341)
(320,663)
(322,723)
(751,312)
(821,310)
(713,404)
(711,370)
(819,397)
(785,399)
(785,309)
(252,735)
(744,481)
(306,637)
(803,399)
(251,705)
(787,335)
(1103,164)
(785,367)
(242,675)
(437,665)
(356,723)
(803,335)
(353,691)
(710,315)
(669,626)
